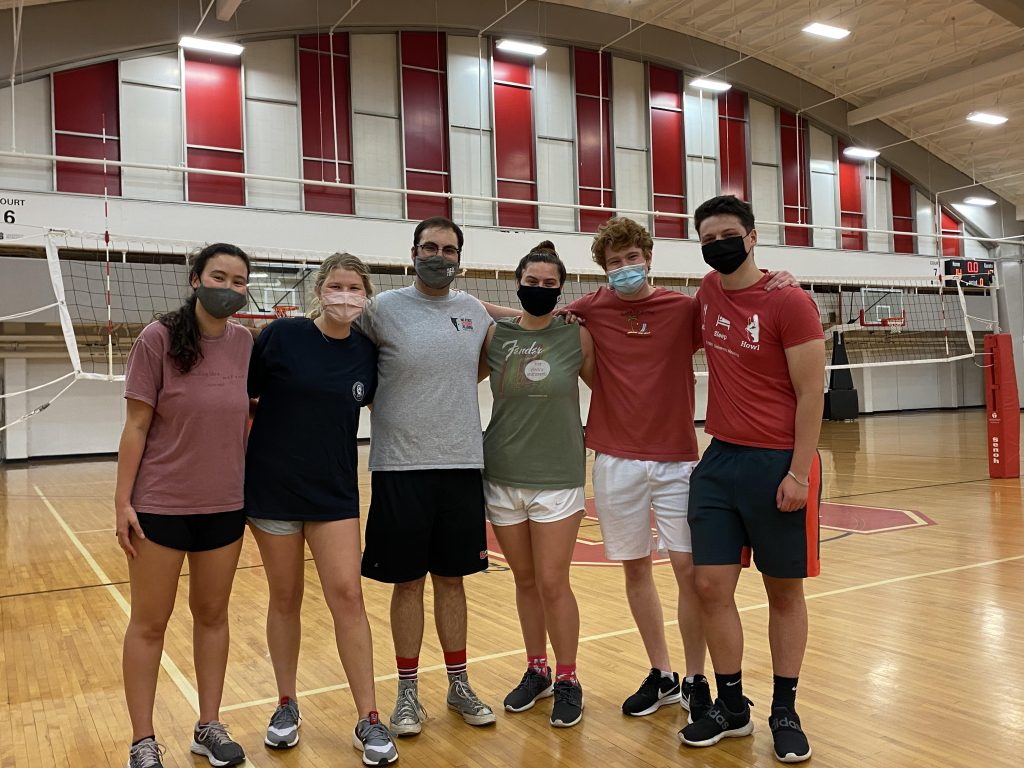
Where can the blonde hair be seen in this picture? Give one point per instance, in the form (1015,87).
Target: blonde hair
(618,233)
(331,263)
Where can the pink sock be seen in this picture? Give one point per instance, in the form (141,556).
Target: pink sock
(566,672)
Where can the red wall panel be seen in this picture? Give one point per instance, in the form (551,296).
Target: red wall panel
(323,114)
(793,146)
(425,121)
(902,213)
(668,180)
(509,70)
(594,173)
(515,158)
(88,179)
(732,143)
(426,50)
(667,152)
(223,190)
(664,84)
(213,102)
(589,76)
(851,201)
(85,101)
(517,216)
(952,247)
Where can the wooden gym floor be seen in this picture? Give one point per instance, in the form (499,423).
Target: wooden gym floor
(916,654)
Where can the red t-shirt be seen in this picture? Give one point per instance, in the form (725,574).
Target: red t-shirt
(642,404)
(194,458)
(751,400)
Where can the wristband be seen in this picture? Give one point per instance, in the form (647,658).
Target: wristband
(798,480)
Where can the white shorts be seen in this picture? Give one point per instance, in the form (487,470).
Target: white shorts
(508,505)
(624,492)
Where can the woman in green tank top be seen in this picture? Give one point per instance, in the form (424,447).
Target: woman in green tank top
(534,473)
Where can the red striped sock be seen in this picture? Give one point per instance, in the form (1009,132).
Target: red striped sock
(566,672)
(408,668)
(538,664)
(455,661)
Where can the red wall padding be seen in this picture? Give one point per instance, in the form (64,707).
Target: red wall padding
(593,136)
(851,201)
(425,121)
(85,101)
(952,247)
(1003,406)
(667,157)
(793,145)
(902,213)
(322,114)
(514,152)
(732,143)
(213,127)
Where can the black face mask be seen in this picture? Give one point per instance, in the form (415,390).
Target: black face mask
(538,301)
(725,255)
(221,302)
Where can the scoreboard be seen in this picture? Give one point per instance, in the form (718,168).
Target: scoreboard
(970,271)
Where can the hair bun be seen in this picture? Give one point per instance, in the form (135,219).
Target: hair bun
(547,245)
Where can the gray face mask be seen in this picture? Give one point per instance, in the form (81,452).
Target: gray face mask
(436,271)
(221,302)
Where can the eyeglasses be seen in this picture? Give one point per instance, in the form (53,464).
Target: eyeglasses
(432,249)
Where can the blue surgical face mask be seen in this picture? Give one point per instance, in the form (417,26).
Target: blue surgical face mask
(629,279)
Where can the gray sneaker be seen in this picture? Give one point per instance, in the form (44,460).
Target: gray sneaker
(408,717)
(146,754)
(374,741)
(213,741)
(283,731)
(462,699)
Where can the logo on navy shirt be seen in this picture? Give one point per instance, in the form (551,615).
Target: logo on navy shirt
(462,323)
(359,391)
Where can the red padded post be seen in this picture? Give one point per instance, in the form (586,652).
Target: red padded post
(1003,407)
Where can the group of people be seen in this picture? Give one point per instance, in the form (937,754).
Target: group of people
(188,479)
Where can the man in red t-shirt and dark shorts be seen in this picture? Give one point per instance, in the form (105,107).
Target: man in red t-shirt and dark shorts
(758,485)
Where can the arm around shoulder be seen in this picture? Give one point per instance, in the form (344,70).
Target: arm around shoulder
(484,370)
(589,358)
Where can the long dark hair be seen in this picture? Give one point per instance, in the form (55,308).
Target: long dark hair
(181,323)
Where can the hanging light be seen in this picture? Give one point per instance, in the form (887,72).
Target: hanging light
(861,153)
(211,46)
(706,84)
(826,30)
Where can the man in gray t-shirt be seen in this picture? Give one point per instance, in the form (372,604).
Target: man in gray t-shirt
(426,455)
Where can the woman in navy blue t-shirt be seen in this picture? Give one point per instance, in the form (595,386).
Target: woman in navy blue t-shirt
(311,376)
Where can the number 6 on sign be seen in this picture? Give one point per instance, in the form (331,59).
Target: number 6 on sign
(8,217)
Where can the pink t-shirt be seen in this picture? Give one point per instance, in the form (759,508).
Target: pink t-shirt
(642,404)
(194,458)
(751,400)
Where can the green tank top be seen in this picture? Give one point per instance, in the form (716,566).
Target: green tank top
(535,437)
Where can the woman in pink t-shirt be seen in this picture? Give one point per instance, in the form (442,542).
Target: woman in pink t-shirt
(180,474)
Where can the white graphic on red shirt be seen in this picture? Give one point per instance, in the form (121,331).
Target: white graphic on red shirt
(724,322)
(753,329)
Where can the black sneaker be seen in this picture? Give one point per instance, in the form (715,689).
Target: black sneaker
(696,698)
(568,707)
(717,724)
(655,691)
(212,741)
(790,742)
(533,686)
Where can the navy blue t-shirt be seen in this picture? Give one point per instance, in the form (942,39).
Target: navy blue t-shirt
(301,459)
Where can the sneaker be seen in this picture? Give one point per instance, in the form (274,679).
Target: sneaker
(462,699)
(283,731)
(146,754)
(696,698)
(568,707)
(790,742)
(533,686)
(408,717)
(374,741)
(717,724)
(654,692)
(213,741)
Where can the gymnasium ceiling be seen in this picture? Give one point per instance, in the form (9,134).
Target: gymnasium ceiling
(918,66)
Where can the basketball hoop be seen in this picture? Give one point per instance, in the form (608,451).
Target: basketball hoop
(285,310)
(894,323)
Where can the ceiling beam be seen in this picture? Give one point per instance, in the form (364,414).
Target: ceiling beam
(967,78)
(1011,10)
(226,9)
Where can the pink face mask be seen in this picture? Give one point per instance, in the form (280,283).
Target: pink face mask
(342,306)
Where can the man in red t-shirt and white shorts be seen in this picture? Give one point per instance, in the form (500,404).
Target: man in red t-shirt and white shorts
(758,485)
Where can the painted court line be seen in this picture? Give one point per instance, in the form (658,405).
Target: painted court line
(633,630)
(186,687)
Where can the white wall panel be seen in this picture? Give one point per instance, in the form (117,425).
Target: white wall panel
(162,70)
(556,183)
(631,186)
(925,225)
(764,192)
(878,200)
(700,121)
(975,250)
(270,70)
(32,134)
(824,209)
(823,158)
(374,74)
(469,83)
(629,106)
(764,144)
(272,148)
(471,174)
(701,182)
(151,133)
(553,94)
(86,419)
(377,161)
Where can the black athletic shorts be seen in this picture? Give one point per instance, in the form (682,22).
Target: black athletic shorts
(194,533)
(425,521)
(732,511)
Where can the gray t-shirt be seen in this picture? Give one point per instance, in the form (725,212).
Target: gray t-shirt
(426,414)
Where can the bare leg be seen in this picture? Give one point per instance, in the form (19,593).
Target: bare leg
(552,553)
(645,604)
(691,626)
(407,617)
(787,624)
(716,585)
(516,546)
(154,583)
(450,611)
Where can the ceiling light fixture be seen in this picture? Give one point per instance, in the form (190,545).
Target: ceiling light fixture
(706,84)
(861,153)
(516,46)
(826,30)
(986,118)
(984,202)
(211,46)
